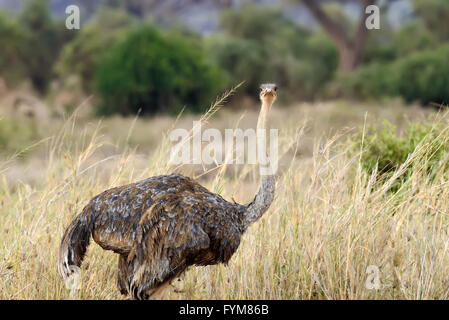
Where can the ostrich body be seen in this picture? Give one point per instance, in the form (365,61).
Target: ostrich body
(161,225)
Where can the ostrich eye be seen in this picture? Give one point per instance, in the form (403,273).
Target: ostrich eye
(275,88)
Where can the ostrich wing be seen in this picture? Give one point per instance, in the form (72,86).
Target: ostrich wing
(119,210)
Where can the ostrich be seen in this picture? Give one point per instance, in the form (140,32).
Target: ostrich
(162,225)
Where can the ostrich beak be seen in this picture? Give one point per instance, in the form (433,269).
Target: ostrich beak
(268,91)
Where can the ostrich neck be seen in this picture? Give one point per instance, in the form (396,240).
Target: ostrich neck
(265,195)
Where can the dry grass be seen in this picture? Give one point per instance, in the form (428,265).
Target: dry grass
(326,226)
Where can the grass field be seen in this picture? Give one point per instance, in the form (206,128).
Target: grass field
(327,225)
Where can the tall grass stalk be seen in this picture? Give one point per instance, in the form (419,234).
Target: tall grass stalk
(329,222)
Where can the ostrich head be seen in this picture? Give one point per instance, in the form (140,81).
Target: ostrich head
(268,93)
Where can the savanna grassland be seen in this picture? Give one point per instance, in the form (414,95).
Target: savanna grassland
(331,219)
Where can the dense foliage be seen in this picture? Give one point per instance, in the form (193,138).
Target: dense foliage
(259,44)
(82,55)
(155,71)
(129,65)
(384,149)
(12,67)
(422,76)
(43,41)
(435,15)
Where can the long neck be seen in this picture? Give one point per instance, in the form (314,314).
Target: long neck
(265,195)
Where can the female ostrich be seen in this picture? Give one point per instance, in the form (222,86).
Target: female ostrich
(163,224)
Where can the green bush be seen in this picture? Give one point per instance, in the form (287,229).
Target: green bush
(387,150)
(411,38)
(241,60)
(262,25)
(422,76)
(379,46)
(318,67)
(435,15)
(372,81)
(153,71)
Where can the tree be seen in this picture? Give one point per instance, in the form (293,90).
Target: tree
(262,44)
(350,49)
(154,72)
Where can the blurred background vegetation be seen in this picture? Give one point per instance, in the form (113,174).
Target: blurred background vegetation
(363,164)
(132,58)
(147,55)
